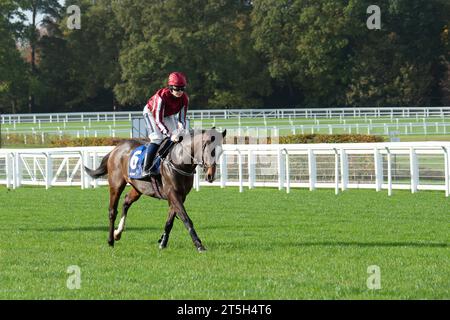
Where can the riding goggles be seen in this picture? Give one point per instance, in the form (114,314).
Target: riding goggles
(174,88)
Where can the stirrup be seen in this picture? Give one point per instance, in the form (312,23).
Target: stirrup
(146,174)
(152,170)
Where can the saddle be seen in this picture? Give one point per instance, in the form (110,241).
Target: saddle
(137,160)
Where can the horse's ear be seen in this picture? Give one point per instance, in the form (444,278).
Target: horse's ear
(224,133)
(213,128)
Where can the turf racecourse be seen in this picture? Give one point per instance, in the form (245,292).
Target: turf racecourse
(262,244)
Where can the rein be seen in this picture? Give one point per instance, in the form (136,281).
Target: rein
(184,173)
(196,162)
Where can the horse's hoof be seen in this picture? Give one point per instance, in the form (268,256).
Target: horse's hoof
(162,247)
(111,243)
(117,236)
(201,249)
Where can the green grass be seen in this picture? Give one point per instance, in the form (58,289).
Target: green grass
(416,138)
(262,244)
(122,128)
(103,126)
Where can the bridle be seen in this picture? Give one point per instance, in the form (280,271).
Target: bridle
(195,162)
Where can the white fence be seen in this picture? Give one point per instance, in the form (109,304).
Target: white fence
(42,136)
(278,113)
(409,128)
(414,166)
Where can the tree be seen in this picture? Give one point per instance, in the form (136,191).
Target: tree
(50,8)
(403,63)
(235,53)
(306,44)
(13,73)
(207,40)
(78,69)
(94,55)
(325,55)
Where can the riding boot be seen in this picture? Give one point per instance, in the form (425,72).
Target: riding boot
(166,148)
(152,148)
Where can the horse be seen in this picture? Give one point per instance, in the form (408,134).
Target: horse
(173,184)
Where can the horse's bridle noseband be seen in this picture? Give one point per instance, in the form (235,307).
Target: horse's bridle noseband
(196,162)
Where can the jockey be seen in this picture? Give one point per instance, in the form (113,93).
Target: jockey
(165,113)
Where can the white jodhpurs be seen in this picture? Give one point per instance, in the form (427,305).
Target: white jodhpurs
(154,133)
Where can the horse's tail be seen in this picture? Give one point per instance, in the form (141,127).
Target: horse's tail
(100,171)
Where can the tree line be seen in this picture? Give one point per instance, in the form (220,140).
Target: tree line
(235,53)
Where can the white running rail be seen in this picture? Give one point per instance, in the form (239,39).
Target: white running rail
(277,113)
(381,166)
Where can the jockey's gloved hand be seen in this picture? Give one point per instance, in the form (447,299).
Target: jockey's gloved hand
(175,136)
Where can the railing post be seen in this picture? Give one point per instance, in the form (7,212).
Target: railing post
(87,161)
(241,180)
(280,170)
(197,180)
(251,170)
(336,171)
(414,168)
(344,170)
(312,169)
(389,169)
(223,170)
(9,169)
(48,170)
(83,174)
(17,179)
(288,179)
(13,170)
(447,171)
(378,160)
(94,166)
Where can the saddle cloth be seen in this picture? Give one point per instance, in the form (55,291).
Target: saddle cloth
(137,160)
(136,163)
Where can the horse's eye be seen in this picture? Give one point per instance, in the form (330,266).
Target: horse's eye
(213,153)
(213,138)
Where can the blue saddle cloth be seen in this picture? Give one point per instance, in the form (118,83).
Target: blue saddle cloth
(136,163)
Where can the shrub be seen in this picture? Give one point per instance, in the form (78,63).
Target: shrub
(68,141)
(84,142)
(330,138)
(312,138)
(30,140)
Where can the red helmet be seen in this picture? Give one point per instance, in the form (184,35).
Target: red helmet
(177,79)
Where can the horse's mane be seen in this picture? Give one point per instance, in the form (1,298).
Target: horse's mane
(118,142)
(191,132)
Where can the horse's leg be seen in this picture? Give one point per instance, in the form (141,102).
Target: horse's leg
(181,211)
(115,190)
(168,227)
(131,197)
(190,227)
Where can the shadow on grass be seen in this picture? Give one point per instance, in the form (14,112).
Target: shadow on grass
(368,244)
(356,244)
(91,228)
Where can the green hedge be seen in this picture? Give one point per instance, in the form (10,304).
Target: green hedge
(85,142)
(330,138)
(68,141)
(311,138)
(51,141)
